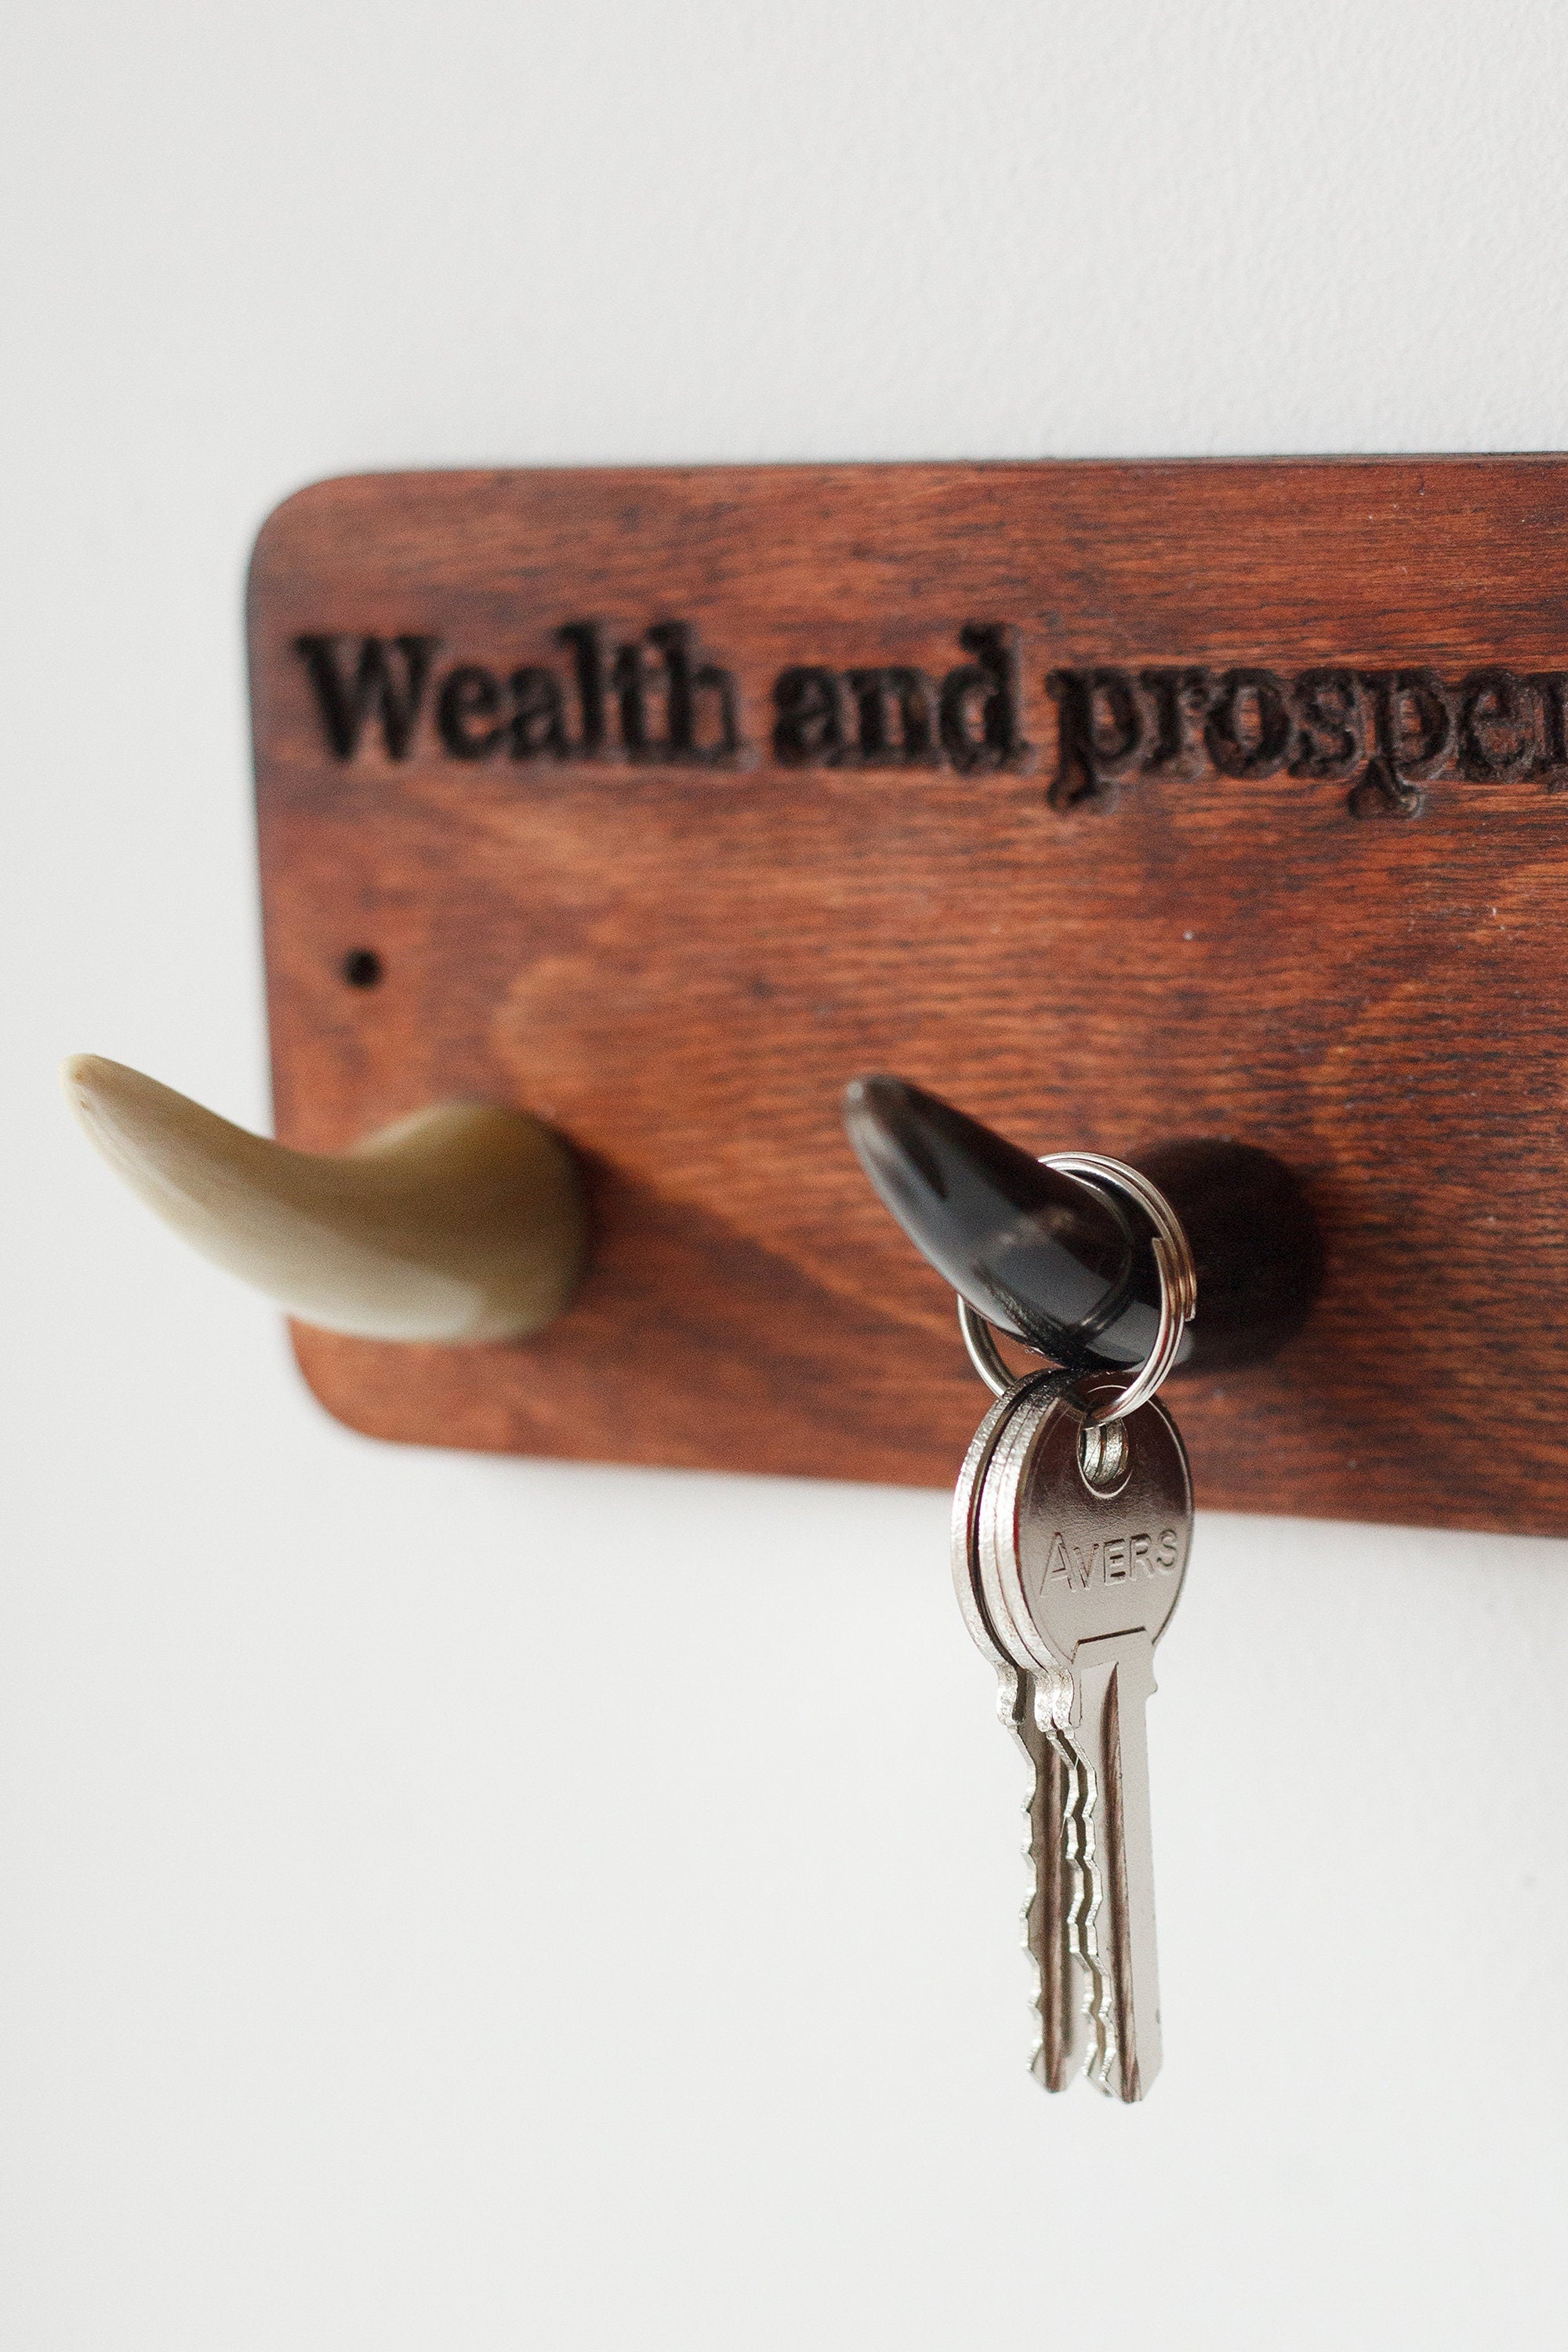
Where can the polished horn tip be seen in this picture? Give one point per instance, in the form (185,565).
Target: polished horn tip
(465,1222)
(83,1076)
(121,1111)
(871,1088)
(101,1092)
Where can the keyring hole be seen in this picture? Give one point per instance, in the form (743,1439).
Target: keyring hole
(1104,1458)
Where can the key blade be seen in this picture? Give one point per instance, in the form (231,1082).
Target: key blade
(1061,2000)
(1114,1679)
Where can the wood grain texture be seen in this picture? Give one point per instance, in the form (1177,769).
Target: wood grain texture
(682,965)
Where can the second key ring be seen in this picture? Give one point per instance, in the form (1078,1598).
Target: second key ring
(1178,1289)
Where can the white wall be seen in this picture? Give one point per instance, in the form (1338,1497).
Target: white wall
(464,1903)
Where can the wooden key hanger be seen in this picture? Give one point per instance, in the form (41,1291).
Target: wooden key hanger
(611,822)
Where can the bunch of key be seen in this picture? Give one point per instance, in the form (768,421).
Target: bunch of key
(1071,1527)
(1070,1544)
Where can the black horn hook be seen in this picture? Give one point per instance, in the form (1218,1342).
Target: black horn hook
(1069,1270)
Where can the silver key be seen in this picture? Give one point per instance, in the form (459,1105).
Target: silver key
(1080,1541)
(1063,1988)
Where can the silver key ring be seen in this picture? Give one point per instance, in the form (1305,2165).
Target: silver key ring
(1178,1290)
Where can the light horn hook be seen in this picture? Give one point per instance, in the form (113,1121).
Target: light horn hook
(465,1222)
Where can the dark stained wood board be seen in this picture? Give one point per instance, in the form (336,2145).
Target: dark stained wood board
(682,965)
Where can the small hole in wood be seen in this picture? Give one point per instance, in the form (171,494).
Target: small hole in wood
(361,967)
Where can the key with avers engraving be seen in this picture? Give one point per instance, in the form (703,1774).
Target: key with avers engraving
(1063,1986)
(1081,1532)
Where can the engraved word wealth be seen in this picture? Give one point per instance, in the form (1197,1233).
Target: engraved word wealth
(1113,1561)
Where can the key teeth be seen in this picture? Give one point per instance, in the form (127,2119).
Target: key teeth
(1078,1830)
(1034,1927)
(1014,1704)
(1028,1704)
